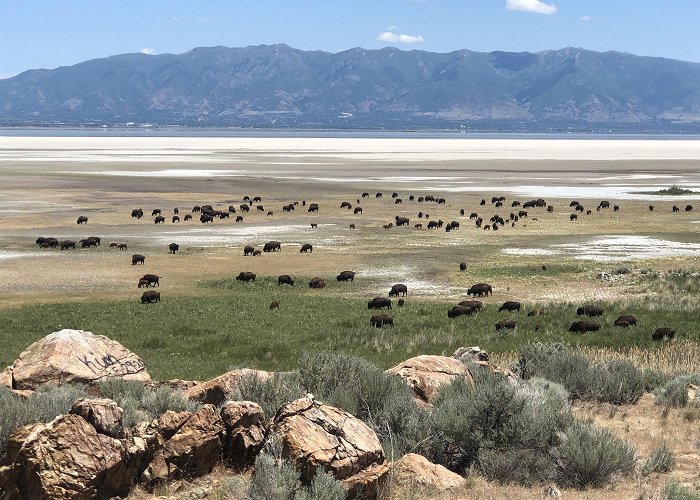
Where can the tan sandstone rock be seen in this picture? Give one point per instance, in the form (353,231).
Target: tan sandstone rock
(75,356)
(65,458)
(245,431)
(6,377)
(16,439)
(368,483)
(219,389)
(171,421)
(192,451)
(425,374)
(481,358)
(316,435)
(414,471)
(103,414)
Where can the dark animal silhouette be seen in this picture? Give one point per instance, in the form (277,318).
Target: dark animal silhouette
(274,305)
(143,283)
(398,290)
(400,302)
(505,324)
(239,218)
(317,282)
(584,326)
(159,220)
(480,289)
(82,220)
(590,311)
(510,306)
(462,266)
(137,213)
(152,279)
(627,319)
(173,247)
(457,311)
(257,253)
(380,320)
(156,211)
(306,248)
(204,218)
(663,334)
(175,219)
(476,305)
(245,276)
(248,250)
(346,276)
(272,246)
(137,259)
(150,297)
(379,303)
(188,217)
(285,279)
(67,244)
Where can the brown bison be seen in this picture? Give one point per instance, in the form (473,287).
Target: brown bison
(122,246)
(176,218)
(274,305)
(159,220)
(510,306)
(137,213)
(257,253)
(663,334)
(245,276)
(204,218)
(137,259)
(248,250)
(357,211)
(380,320)
(626,320)
(346,204)
(474,304)
(272,246)
(306,248)
(505,324)
(239,218)
(173,247)
(346,276)
(188,217)
(398,290)
(150,297)
(457,311)
(400,302)
(584,326)
(462,266)
(82,220)
(285,279)
(379,303)
(589,311)
(143,283)
(156,211)
(152,279)
(480,289)
(67,244)
(317,282)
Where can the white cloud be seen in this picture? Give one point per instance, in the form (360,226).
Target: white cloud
(394,35)
(148,51)
(535,6)
(586,18)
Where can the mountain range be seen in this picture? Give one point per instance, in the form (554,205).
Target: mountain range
(279,86)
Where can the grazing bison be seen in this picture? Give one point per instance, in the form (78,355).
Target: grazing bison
(510,306)
(272,246)
(239,218)
(317,282)
(260,208)
(204,218)
(358,211)
(244,208)
(388,226)
(365,194)
(288,208)
(462,266)
(87,242)
(418,226)
(137,213)
(688,208)
(152,279)
(67,244)
(173,247)
(245,276)
(248,250)
(505,324)
(398,201)
(346,276)
(675,208)
(114,244)
(379,303)
(627,319)
(270,213)
(604,204)
(257,199)
(476,305)
(400,302)
(122,246)
(176,210)
(616,208)
(394,194)
(188,217)
(346,204)
(457,311)
(573,217)
(352,226)
(143,283)
(274,305)
(584,326)
(589,311)
(224,215)
(306,248)
(651,208)
(82,220)
(663,334)
(379,320)
(156,211)
(285,279)
(378,195)
(536,312)
(232,209)
(313,207)
(550,208)
(176,218)
(257,253)
(196,208)
(398,290)
(160,219)
(150,297)
(137,259)
(401,221)
(480,289)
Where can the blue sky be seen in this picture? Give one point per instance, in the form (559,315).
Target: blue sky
(51,33)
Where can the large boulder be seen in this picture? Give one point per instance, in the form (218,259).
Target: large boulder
(75,356)
(245,431)
(67,458)
(103,414)
(221,388)
(16,439)
(315,435)
(415,472)
(191,451)
(425,374)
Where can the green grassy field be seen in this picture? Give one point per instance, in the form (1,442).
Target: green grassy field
(228,324)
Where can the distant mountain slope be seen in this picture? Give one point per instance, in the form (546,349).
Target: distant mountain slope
(277,85)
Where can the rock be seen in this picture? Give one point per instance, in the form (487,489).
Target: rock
(425,374)
(6,377)
(218,390)
(692,392)
(183,385)
(480,357)
(245,431)
(192,451)
(75,356)
(316,435)
(103,414)
(16,439)
(415,471)
(8,487)
(171,421)
(368,483)
(67,458)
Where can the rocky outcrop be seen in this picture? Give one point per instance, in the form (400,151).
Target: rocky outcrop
(417,472)
(368,483)
(315,435)
(218,390)
(245,432)
(74,356)
(425,374)
(103,414)
(191,451)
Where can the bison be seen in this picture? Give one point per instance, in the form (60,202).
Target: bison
(510,306)
(245,276)
(159,220)
(379,320)
(156,211)
(317,282)
(150,297)
(379,303)
(346,204)
(67,244)
(175,219)
(584,326)
(151,279)
(239,218)
(663,334)
(480,289)
(248,250)
(257,253)
(398,290)
(313,207)
(401,221)
(626,320)
(285,279)
(137,213)
(143,283)
(462,266)
(274,305)
(188,217)
(457,311)
(137,259)
(505,324)
(476,305)
(204,218)
(589,311)
(173,247)
(122,246)
(306,248)
(272,246)
(358,211)
(82,220)
(346,276)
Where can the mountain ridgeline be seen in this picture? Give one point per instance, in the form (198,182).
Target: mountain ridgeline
(278,86)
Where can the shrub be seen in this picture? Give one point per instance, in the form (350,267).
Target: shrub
(127,394)
(675,392)
(590,457)
(272,479)
(323,487)
(674,491)
(270,393)
(654,379)
(662,460)
(619,382)
(517,466)
(231,488)
(164,398)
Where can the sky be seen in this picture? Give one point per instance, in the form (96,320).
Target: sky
(52,33)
